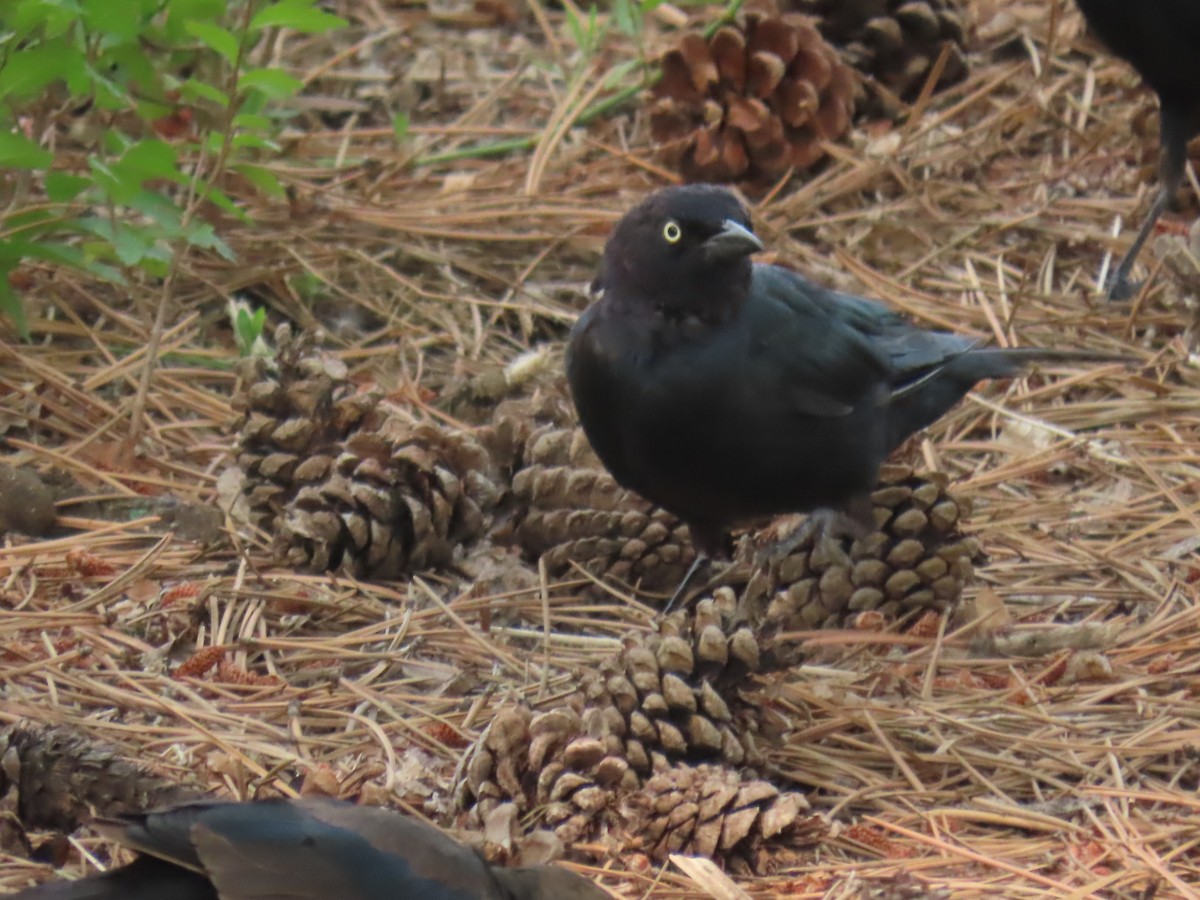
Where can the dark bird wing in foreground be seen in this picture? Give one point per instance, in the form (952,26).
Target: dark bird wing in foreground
(310,849)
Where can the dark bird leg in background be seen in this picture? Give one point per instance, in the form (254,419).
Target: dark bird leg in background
(1175,132)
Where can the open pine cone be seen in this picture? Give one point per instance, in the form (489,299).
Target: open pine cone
(894,41)
(761,96)
(916,559)
(342,483)
(573,511)
(627,757)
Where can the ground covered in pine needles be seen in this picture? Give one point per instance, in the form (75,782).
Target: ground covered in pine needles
(1042,740)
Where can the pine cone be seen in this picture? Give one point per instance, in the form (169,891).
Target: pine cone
(664,698)
(917,559)
(62,778)
(715,812)
(894,41)
(558,774)
(343,483)
(673,695)
(759,97)
(574,511)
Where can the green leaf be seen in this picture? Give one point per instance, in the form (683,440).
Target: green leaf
(63,188)
(29,70)
(252,122)
(248,327)
(181,12)
(50,20)
(129,246)
(254,142)
(617,73)
(298,15)
(163,212)
(400,126)
(262,178)
(221,200)
(203,235)
(628,21)
(19,152)
(270,82)
(215,38)
(113,182)
(192,90)
(30,222)
(151,159)
(108,92)
(116,21)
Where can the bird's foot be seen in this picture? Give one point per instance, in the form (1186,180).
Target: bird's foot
(1121,289)
(824,529)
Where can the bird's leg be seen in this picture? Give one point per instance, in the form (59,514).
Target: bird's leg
(1174,137)
(700,560)
(710,543)
(1119,285)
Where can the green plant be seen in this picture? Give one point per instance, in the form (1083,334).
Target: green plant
(147,104)
(248,326)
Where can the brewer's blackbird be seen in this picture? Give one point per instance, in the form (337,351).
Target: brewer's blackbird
(1160,38)
(307,849)
(727,391)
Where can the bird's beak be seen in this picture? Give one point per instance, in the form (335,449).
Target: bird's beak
(733,241)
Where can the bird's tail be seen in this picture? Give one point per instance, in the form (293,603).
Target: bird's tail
(925,399)
(1001,362)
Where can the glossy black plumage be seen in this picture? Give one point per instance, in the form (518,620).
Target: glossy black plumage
(1161,40)
(726,391)
(308,849)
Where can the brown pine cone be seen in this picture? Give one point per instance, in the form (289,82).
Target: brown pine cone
(558,775)
(673,695)
(572,510)
(894,41)
(916,559)
(61,778)
(344,483)
(664,698)
(757,98)
(716,812)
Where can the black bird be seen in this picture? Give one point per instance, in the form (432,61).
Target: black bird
(308,849)
(727,391)
(1161,39)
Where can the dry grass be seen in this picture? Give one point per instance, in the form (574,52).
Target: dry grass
(1047,751)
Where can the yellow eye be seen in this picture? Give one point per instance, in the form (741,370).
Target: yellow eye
(672,232)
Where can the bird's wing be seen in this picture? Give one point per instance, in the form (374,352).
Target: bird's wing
(914,355)
(827,343)
(313,849)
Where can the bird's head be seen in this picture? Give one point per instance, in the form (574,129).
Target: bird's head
(686,250)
